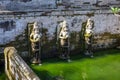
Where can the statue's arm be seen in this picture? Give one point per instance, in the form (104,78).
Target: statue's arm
(60,35)
(37,39)
(31,38)
(68,35)
(86,25)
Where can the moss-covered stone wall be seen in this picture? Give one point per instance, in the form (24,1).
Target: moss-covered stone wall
(106,30)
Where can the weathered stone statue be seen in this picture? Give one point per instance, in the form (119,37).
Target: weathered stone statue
(88,37)
(16,68)
(35,38)
(64,41)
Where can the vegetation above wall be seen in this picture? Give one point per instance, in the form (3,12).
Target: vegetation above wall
(116,11)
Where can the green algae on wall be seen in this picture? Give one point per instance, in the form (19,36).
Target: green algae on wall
(90,14)
(106,40)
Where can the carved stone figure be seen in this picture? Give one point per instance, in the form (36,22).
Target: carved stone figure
(88,37)
(15,67)
(35,38)
(64,41)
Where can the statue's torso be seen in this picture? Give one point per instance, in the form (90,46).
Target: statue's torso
(36,36)
(64,40)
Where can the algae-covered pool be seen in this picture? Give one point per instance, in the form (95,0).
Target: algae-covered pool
(104,66)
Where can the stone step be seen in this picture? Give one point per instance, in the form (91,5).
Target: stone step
(118,47)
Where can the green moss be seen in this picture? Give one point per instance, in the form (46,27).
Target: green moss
(2,76)
(82,41)
(20,42)
(108,35)
(104,66)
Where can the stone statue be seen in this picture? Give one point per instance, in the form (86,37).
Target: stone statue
(35,38)
(88,37)
(64,41)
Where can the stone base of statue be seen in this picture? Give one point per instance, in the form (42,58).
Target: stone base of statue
(69,60)
(65,58)
(36,61)
(89,54)
(62,57)
(118,47)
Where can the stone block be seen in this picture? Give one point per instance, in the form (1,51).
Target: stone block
(16,68)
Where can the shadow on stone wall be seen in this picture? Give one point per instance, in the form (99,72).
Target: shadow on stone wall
(50,49)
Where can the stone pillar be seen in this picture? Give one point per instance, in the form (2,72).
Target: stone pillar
(16,68)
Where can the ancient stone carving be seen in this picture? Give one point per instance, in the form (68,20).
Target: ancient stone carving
(64,40)
(88,37)
(35,38)
(16,68)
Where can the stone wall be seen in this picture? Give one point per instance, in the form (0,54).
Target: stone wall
(14,22)
(104,22)
(23,5)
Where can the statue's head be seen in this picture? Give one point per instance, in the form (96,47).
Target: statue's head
(35,25)
(64,23)
(65,29)
(64,26)
(89,22)
(35,28)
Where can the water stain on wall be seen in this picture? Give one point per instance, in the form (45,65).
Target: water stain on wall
(7,25)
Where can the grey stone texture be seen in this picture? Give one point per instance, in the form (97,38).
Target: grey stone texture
(16,15)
